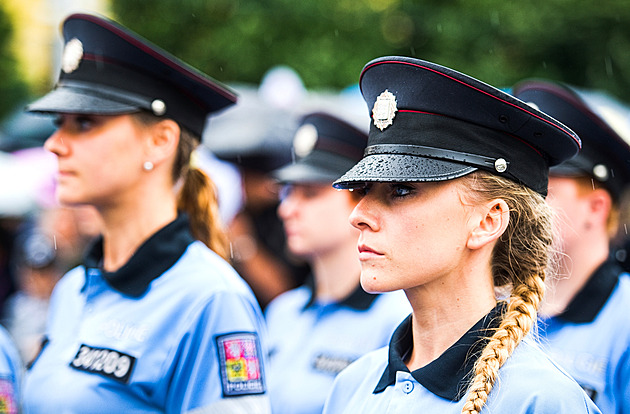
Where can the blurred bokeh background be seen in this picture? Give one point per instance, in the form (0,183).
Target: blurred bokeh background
(284,58)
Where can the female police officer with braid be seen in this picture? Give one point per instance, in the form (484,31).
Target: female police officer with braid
(155,320)
(454,178)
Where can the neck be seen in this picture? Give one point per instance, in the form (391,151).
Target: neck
(575,269)
(127,225)
(444,311)
(336,272)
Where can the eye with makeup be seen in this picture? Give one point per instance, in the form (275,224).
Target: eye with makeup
(77,123)
(304,191)
(361,189)
(401,190)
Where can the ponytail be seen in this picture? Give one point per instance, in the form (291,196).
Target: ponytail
(198,198)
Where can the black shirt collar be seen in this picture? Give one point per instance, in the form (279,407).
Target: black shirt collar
(156,255)
(448,375)
(358,299)
(594,294)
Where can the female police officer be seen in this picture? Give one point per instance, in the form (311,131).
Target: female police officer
(454,177)
(584,317)
(316,330)
(155,320)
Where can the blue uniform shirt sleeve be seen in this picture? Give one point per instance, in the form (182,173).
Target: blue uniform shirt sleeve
(203,374)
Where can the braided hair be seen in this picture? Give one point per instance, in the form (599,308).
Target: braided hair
(520,261)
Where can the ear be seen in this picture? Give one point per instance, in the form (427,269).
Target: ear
(599,205)
(163,141)
(493,219)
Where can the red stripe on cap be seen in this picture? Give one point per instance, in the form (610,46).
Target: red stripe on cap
(162,57)
(477,89)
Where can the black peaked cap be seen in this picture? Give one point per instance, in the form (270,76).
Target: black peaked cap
(432,123)
(107,69)
(605,156)
(325,147)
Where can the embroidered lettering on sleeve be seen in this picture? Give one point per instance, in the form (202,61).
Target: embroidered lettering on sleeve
(240,364)
(106,362)
(331,364)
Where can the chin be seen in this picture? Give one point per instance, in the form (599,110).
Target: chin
(69,199)
(372,283)
(299,252)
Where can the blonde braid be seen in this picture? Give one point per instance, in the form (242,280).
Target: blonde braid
(520,260)
(517,322)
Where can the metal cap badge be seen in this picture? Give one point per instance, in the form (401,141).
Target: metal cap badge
(72,55)
(384,110)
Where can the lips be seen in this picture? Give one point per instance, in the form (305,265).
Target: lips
(366,252)
(64,173)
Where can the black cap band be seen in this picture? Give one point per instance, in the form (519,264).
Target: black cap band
(439,154)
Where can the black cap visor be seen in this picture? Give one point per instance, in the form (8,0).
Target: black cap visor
(75,100)
(317,167)
(401,168)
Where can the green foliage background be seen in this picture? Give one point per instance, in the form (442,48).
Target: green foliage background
(327,42)
(13,90)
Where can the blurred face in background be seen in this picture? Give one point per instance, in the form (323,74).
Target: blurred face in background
(315,218)
(583,211)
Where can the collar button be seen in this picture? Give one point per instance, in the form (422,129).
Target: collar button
(407,386)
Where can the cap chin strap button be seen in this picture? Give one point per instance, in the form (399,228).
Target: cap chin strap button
(500,165)
(158,107)
(600,172)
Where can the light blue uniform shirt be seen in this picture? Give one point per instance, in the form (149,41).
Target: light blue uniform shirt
(591,338)
(10,374)
(174,330)
(311,342)
(528,382)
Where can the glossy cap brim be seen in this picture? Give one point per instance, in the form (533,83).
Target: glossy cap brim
(400,168)
(317,167)
(70,100)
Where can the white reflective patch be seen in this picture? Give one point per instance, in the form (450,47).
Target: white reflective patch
(106,362)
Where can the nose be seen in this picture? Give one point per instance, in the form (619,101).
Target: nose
(363,216)
(287,207)
(55,144)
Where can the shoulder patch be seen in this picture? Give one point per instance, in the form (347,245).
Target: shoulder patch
(106,362)
(240,364)
(7,397)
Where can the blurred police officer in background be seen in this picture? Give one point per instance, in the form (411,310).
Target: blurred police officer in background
(49,243)
(585,313)
(318,329)
(255,137)
(155,319)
